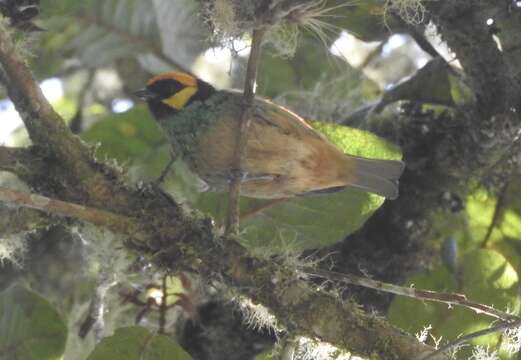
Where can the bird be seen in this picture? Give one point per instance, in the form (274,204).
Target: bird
(284,156)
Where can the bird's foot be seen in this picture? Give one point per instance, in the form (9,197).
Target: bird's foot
(235,174)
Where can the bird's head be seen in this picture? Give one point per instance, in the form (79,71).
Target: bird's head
(170,92)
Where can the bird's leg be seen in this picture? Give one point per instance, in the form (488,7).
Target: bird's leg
(156,184)
(166,170)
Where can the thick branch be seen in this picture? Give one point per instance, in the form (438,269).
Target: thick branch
(48,130)
(493,76)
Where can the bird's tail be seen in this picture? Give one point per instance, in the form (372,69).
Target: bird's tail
(376,176)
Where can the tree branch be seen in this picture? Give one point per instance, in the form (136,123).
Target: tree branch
(467,338)
(232,221)
(21,220)
(14,160)
(97,217)
(305,311)
(48,130)
(493,76)
(419,294)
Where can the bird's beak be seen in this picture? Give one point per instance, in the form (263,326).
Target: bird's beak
(145,94)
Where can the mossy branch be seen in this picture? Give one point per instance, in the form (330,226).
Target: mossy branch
(494,73)
(111,221)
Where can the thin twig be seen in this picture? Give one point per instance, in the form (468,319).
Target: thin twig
(465,339)
(447,298)
(115,222)
(76,123)
(232,221)
(163,306)
(498,211)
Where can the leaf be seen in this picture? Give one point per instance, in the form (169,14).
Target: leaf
(489,278)
(433,83)
(183,36)
(114,29)
(470,227)
(480,208)
(480,211)
(301,223)
(485,276)
(266,355)
(280,76)
(364,19)
(137,343)
(511,250)
(125,136)
(30,328)
(413,315)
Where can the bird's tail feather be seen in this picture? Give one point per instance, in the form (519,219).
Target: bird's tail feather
(377,176)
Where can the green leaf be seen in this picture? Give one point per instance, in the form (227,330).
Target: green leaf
(358,142)
(363,19)
(137,343)
(511,250)
(413,315)
(318,85)
(485,276)
(489,278)
(480,208)
(300,223)
(125,136)
(266,355)
(430,84)
(30,328)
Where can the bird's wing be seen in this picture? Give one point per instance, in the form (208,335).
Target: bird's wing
(279,116)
